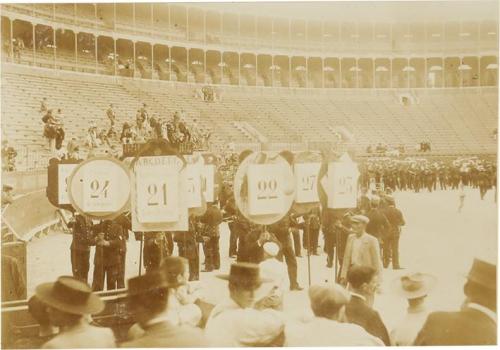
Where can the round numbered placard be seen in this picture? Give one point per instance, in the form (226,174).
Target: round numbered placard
(100,188)
(264,187)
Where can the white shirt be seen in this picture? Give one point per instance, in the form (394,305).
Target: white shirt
(320,331)
(229,325)
(491,314)
(406,331)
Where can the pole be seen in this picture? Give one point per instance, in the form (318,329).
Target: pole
(140,253)
(306,229)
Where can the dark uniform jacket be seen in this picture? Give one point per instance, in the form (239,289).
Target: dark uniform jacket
(378,225)
(359,313)
(113,233)
(83,234)
(395,218)
(466,327)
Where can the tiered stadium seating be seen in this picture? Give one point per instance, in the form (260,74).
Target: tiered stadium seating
(453,120)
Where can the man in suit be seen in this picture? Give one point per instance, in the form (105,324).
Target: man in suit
(361,248)
(476,322)
(391,240)
(363,284)
(378,226)
(70,302)
(83,239)
(148,298)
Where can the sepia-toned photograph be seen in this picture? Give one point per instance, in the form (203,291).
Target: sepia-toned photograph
(249,174)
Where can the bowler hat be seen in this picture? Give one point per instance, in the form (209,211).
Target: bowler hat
(70,295)
(245,274)
(483,273)
(415,285)
(146,283)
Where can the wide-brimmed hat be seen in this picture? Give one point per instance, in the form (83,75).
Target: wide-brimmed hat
(70,295)
(483,273)
(146,283)
(415,285)
(245,274)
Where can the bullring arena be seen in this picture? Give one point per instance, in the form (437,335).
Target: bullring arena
(406,90)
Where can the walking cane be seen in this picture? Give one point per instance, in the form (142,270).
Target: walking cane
(140,253)
(335,256)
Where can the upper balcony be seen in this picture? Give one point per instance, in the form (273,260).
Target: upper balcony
(229,31)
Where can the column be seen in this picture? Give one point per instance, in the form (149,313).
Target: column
(115,60)
(133,46)
(169,59)
(95,50)
(187,67)
(205,28)
(205,62)
(34,43)
(133,17)
(76,48)
(289,66)
(152,57)
(114,18)
(322,71)
(55,46)
(307,71)
(12,39)
(272,66)
(222,66)
(187,24)
(239,68)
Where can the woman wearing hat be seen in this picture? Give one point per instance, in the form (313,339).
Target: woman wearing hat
(70,302)
(415,288)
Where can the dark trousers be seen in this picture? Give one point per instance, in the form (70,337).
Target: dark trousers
(192,255)
(296,241)
(390,251)
(102,272)
(291,262)
(120,281)
(329,247)
(212,254)
(311,237)
(80,264)
(233,240)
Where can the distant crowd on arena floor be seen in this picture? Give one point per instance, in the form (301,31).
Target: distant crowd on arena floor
(416,174)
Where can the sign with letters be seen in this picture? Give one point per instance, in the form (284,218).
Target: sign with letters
(342,185)
(64,171)
(306,177)
(265,189)
(100,188)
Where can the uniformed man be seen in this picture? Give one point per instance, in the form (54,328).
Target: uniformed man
(188,244)
(107,260)
(155,249)
(83,239)
(391,240)
(210,222)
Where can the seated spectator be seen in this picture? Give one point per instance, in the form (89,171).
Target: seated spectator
(92,139)
(476,322)
(415,288)
(9,155)
(50,129)
(127,134)
(72,150)
(149,301)
(43,106)
(362,286)
(182,296)
(103,137)
(229,320)
(141,132)
(70,303)
(177,131)
(328,328)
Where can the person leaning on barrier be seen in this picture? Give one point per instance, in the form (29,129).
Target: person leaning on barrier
(148,298)
(69,303)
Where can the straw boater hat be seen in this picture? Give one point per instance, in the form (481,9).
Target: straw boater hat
(415,285)
(246,275)
(360,218)
(70,295)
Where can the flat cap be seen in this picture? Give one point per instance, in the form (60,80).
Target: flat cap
(360,218)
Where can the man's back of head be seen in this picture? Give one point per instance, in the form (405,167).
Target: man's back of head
(358,275)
